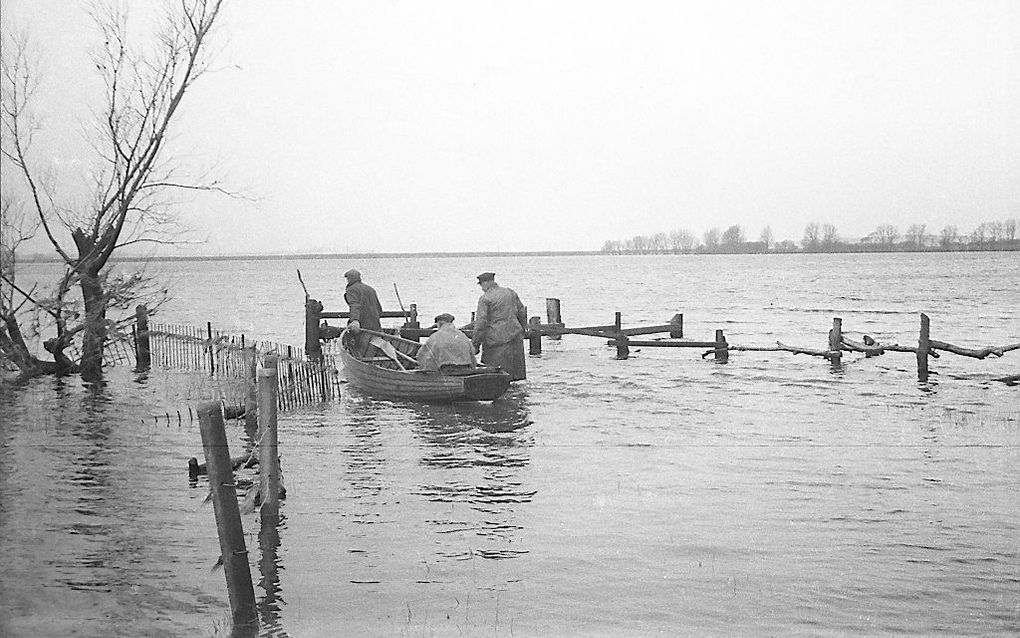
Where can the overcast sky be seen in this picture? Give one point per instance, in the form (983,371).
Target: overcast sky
(451,126)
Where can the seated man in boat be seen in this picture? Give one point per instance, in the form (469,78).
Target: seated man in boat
(447,349)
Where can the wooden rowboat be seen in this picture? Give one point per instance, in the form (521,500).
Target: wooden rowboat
(391,375)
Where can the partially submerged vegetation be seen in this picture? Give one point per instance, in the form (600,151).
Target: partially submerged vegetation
(120,196)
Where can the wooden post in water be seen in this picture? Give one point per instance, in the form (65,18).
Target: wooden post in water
(535,335)
(269,459)
(722,352)
(313,312)
(251,402)
(228,516)
(552,314)
(622,347)
(411,324)
(678,331)
(143,352)
(212,350)
(836,341)
(923,348)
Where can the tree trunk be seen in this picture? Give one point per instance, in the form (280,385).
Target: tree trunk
(94,335)
(12,343)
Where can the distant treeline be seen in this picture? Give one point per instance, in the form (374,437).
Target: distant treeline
(823,238)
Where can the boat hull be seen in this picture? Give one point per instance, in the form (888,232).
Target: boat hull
(418,385)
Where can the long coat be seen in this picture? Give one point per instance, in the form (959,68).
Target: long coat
(499,326)
(364,304)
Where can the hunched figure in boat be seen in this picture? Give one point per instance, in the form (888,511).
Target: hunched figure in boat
(447,348)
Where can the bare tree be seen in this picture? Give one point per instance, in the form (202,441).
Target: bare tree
(949,236)
(766,237)
(683,239)
(981,234)
(134,177)
(1009,230)
(812,237)
(711,238)
(916,234)
(830,236)
(611,246)
(733,236)
(886,235)
(659,242)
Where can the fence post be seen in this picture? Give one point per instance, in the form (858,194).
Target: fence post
(836,341)
(228,517)
(535,335)
(212,351)
(677,332)
(552,313)
(622,347)
(722,352)
(410,324)
(923,348)
(143,352)
(251,421)
(269,459)
(313,312)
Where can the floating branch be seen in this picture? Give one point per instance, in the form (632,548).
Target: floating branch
(779,347)
(980,353)
(1012,380)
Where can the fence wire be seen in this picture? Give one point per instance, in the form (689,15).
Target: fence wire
(228,359)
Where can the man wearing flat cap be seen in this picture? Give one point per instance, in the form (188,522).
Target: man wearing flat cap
(500,321)
(447,349)
(365,309)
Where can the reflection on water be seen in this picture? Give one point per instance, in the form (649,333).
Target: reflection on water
(475,453)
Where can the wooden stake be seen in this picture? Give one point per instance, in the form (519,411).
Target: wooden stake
(212,351)
(251,401)
(228,517)
(313,312)
(552,314)
(143,351)
(535,336)
(923,348)
(722,349)
(836,341)
(269,460)
(622,347)
(678,321)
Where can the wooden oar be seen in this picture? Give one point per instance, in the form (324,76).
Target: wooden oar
(387,349)
(387,335)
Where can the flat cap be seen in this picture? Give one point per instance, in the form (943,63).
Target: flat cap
(353,274)
(447,317)
(486,276)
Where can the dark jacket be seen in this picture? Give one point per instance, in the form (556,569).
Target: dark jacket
(364,304)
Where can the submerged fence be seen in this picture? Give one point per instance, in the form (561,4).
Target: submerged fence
(234,358)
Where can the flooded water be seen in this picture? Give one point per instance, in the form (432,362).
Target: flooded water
(665,494)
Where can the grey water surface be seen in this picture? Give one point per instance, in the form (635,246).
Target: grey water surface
(662,495)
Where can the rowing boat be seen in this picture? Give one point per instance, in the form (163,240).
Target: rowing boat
(390,372)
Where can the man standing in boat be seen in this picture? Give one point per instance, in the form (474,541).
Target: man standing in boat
(447,349)
(499,327)
(365,309)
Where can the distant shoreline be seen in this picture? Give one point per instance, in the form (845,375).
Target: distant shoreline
(310,256)
(434,255)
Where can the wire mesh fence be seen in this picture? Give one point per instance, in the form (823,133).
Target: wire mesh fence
(231,360)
